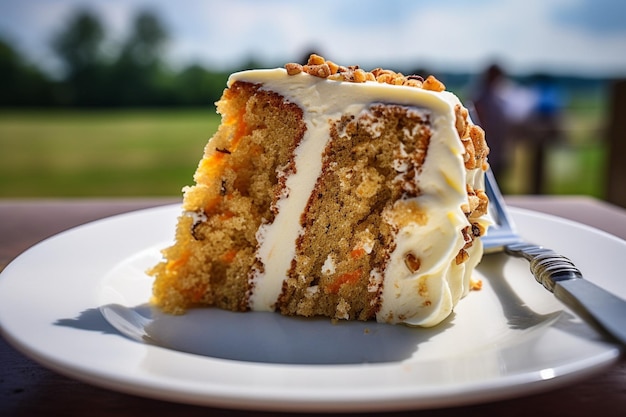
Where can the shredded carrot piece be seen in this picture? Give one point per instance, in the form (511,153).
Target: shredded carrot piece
(210,205)
(213,164)
(347,278)
(226,215)
(176,263)
(240,131)
(357,253)
(197,293)
(229,256)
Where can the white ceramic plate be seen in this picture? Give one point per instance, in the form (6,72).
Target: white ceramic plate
(511,338)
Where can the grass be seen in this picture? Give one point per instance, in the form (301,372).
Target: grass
(101,153)
(77,153)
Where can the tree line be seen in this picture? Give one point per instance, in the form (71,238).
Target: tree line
(135,74)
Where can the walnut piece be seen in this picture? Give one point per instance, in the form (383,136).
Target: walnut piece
(318,66)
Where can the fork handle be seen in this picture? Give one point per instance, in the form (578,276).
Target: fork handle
(547,266)
(561,277)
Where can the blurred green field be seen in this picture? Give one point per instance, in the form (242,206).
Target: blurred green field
(76,153)
(101,153)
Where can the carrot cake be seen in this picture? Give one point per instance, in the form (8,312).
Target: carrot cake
(332,191)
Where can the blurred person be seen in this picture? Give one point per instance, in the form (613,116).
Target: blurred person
(489,105)
(543,126)
(503,108)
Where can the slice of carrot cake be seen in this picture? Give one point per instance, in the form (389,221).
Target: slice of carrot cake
(332,191)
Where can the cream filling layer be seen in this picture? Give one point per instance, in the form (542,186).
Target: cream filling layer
(422,298)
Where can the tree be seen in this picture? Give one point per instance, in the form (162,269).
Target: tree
(139,68)
(198,86)
(146,42)
(21,84)
(79,46)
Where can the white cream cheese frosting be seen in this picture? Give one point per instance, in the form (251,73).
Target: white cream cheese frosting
(424,297)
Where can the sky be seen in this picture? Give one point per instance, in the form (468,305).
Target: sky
(576,37)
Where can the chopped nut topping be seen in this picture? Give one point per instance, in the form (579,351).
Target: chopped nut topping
(478,202)
(293,68)
(318,70)
(476,285)
(477,134)
(431,83)
(461,122)
(412,82)
(473,138)
(359,76)
(334,68)
(315,59)
(477,230)
(462,256)
(481,210)
(320,67)
(412,262)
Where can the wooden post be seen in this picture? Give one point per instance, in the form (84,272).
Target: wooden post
(616,191)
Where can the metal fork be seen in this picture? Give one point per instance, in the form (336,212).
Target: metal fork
(555,272)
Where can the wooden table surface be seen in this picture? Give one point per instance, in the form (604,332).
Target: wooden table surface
(28,389)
